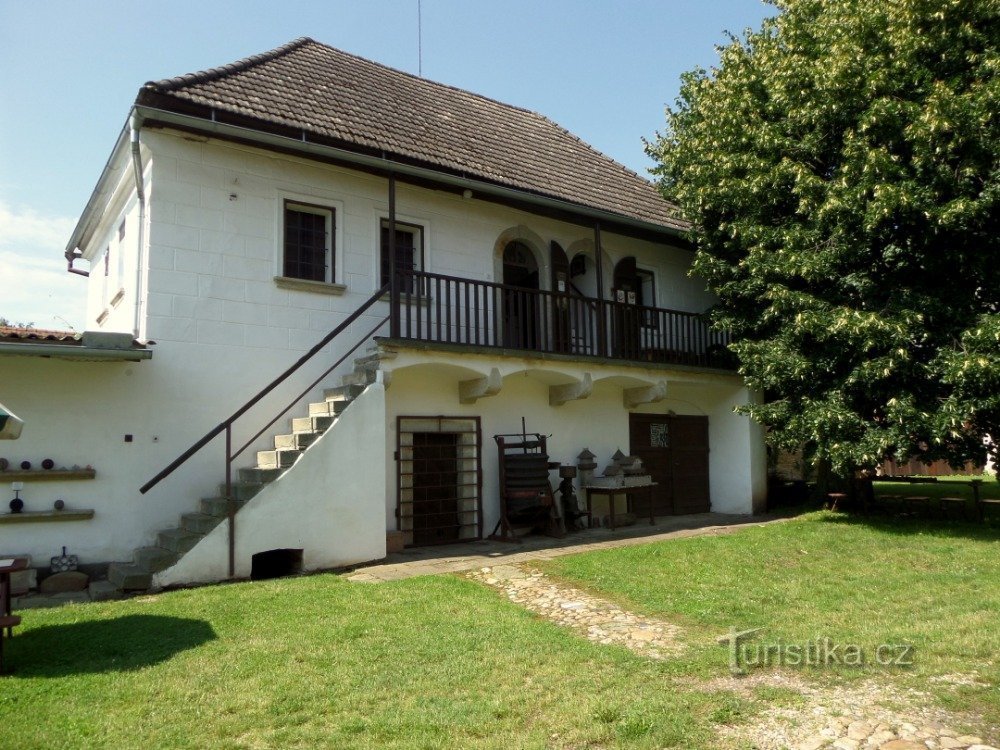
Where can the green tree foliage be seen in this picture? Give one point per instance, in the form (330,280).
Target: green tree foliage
(840,169)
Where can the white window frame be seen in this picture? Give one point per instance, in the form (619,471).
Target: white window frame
(320,204)
(411,222)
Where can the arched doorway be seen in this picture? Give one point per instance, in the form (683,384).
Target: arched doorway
(520,298)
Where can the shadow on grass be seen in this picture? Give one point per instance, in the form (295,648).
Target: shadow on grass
(910,525)
(120,644)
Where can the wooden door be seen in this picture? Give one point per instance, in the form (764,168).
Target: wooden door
(689,448)
(675,453)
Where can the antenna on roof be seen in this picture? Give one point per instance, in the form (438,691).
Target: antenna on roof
(420,45)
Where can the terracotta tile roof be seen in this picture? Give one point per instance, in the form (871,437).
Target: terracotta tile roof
(41,335)
(368,107)
(20,335)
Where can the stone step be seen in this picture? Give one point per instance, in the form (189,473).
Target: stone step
(296,440)
(199,523)
(103,591)
(276,459)
(258,476)
(312,424)
(362,377)
(242,491)
(217,506)
(154,559)
(343,392)
(178,540)
(129,576)
(327,408)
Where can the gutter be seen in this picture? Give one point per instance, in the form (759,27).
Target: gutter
(64,351)
(385,164)
(102,191)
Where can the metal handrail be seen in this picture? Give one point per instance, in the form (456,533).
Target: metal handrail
(227,425)
(218,429)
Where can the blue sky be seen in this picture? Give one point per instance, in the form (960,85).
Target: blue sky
(69,70)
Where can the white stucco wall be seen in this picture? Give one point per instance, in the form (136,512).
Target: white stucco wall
(327,505)
(426,384)
(223,328)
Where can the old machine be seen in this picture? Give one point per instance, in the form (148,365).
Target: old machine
(526,499)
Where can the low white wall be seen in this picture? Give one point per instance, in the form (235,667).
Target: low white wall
(81,412)
(328,505)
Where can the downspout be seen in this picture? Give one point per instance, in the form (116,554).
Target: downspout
(141,195)
(70,257)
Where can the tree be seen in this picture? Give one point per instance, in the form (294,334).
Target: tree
(840,170)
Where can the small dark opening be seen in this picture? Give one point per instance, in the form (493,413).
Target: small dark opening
(276,563)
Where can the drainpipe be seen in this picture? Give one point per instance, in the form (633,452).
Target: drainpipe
(140,193)
(70,257)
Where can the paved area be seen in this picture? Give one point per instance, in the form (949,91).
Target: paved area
(594,618)
(458,558)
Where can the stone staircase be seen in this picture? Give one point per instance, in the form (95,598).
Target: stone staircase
(172,544)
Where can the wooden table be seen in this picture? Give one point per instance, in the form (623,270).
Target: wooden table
(610,492)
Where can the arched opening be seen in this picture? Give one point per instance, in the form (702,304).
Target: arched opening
(633,294)
(520,301)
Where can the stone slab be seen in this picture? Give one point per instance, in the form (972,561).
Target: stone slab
(103,591)
(70,580)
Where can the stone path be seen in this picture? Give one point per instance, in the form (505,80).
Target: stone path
(872,715)
(596,619)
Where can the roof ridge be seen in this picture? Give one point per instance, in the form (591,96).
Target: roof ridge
(169,84)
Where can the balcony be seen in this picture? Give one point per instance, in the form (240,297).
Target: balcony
(430,307)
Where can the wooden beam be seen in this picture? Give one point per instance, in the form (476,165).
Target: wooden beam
(560,394)
(470,391)
(632,397)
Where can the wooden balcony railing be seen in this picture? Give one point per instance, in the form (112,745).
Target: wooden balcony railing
(451,310)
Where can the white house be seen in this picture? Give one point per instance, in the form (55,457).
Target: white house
(249,212)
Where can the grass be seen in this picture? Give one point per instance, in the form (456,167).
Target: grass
(442,662)
(867,582)
(321,662)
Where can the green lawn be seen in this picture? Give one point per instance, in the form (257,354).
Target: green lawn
(321,662)
(442,662)
(865,581)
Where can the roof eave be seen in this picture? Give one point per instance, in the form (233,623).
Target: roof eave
(71,351)
(103,190)
(386,163)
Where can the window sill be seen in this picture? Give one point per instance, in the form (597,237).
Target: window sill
(117,299)
(409,299)
(304,285)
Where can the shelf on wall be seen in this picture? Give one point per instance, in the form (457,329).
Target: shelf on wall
(42,475)
(44,516)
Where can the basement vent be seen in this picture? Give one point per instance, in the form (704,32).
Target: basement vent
(275,563)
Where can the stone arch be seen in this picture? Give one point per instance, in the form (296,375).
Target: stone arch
(585,248)
(533,242)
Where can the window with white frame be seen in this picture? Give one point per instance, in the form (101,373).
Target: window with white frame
(409,253)
(307,251)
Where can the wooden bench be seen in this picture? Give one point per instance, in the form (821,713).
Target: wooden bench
(7,623)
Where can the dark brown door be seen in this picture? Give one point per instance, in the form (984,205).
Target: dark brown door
(675,452)
(520,297)
(435,487)
(689,449)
